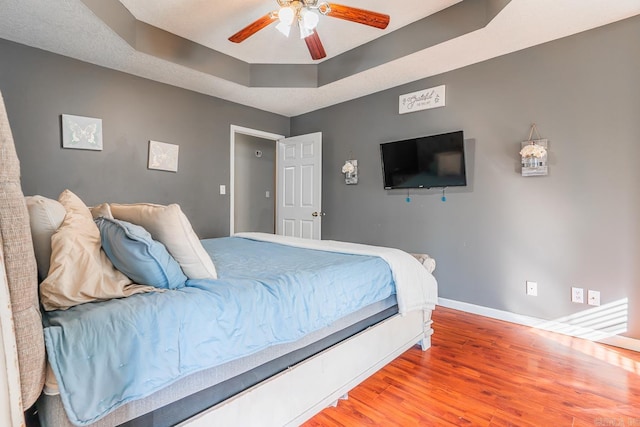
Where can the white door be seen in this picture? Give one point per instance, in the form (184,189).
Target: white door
(299,194)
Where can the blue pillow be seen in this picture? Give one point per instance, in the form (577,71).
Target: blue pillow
(144,260)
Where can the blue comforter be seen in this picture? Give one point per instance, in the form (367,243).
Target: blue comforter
(107,354)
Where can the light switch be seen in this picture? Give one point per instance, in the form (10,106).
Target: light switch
(267,194)
(223,189)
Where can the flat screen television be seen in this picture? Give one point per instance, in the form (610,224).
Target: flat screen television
(424,162)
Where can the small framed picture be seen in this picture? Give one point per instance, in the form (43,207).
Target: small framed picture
(163,156)
(82,133)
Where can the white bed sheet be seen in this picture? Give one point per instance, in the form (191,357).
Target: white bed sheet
(416,288)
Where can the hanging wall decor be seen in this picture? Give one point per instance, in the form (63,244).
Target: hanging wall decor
(350,171)
(534,154)
(82,133)
(433,97)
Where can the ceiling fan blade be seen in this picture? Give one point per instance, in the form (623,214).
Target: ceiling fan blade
(315,46)
(361,16)
(252,28)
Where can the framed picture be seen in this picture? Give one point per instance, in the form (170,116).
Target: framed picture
(163,156)
(82,133)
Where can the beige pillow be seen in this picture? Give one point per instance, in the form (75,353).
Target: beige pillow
(101,211)
(45,216)
(80,270)
(170,226)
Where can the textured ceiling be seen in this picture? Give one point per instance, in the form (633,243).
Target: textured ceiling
(69,27)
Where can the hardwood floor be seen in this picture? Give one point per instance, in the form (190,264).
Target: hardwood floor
(486,372)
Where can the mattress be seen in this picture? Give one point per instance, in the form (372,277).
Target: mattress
(197,392)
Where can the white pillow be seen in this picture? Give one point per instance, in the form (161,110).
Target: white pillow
(80,271)
(170,226)
(45,216)
(101,211)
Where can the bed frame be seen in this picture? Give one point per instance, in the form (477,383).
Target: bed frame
(288,398)
(279,400)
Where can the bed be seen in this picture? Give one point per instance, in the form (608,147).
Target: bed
(235,349)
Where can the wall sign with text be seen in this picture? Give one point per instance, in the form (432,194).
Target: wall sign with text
(422,100)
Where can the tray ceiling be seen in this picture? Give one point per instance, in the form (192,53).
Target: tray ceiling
(394,56)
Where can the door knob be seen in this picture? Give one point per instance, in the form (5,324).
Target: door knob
(318,214)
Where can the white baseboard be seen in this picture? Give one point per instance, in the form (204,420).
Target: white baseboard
(559,326)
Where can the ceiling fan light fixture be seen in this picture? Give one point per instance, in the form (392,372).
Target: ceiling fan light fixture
(284,28)
(310,18)
(286,15)
(304,31)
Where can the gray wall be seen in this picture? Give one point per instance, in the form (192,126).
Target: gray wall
(38,87)
(253,177)
(576,227)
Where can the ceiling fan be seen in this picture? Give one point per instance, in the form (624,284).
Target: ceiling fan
(306,14)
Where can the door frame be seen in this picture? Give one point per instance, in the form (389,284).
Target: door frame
(232,167)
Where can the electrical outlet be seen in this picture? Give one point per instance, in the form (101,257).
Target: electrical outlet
(532,288)
(577,295)
(593,297)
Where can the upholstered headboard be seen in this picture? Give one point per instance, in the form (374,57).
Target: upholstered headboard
(17,256)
